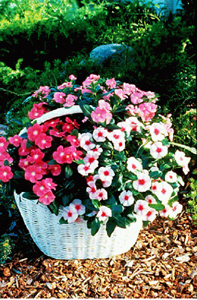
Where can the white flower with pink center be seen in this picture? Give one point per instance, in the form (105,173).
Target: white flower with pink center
(150,199)
(85,141)
(150,214)
(91,190)
(164,192)
(141,207)
(175,209)
(165,212)
(143,182)
(116,135)
(90,158)
(101,194)
(157,131)
(158,150)
(182,160)
(105,183)
(104,213)
(100,134)
(78,206)
(134,124)
(106,173)
(70,214)
(96,151)
(155,187)
(171,177)
(85,169)
(126,198)
(133,165)
(125,127)
(119,145)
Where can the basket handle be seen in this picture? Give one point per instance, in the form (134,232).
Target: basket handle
(59,112)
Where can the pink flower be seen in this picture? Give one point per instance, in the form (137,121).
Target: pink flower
(15,140)
(33,173)
(120,93)
(43,141)
(136,97)
(3,143)
(101,115)
(103,213)
(73,140)
(34,131)
(23,150)
(147,111)
(143,183)
(43,90)
(126,198)
(70,100)
(72,77)
(55,169)
(37,111)
(157,150)
(59,97)
(5,173)
(111,83)
(128,88)
(47,198)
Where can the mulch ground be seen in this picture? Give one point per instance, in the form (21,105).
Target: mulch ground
(162,264)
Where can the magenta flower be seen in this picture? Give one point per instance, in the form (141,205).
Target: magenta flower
(55,169)
(3,144)
(5,173)
(59,97)
(43,141)
(33,173)
(15,140)
(47,198)
(34,131)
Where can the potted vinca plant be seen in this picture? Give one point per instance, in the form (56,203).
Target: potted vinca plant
(91,165)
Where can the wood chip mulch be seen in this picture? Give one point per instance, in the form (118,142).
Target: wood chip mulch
(162,264)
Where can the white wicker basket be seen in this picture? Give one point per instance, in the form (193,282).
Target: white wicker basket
(73,241)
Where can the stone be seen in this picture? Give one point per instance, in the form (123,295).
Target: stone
(3,129)
(116,54)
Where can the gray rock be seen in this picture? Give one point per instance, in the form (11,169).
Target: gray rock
(3,129)
(112,53)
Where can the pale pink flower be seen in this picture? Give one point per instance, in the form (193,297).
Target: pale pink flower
(120,93)
(43,90)
(143,183)
(103,213)
(101,115)
(72,77)
(126,198)
(133,165)
(136,97)
(70,100)
(158,150)
(128,88)
(147,111)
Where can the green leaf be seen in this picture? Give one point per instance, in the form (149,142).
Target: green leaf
(75,132)
(157,206)
(87,109)
(165,166)
(65,200)
(62,221)
(165,142)
(28,125)
(52,162)
(190,149)
(6,162)
(95,225)
(54,208)
(30,196)
(110,226)
(111,200)
(79,162)
(68,172)
(96,203)
(117,209)
(69,184)
(145,223)
(155,174)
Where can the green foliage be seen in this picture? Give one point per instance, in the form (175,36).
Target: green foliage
(192,199)
(5,248)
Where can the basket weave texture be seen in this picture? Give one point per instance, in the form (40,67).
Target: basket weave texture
(74,240)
